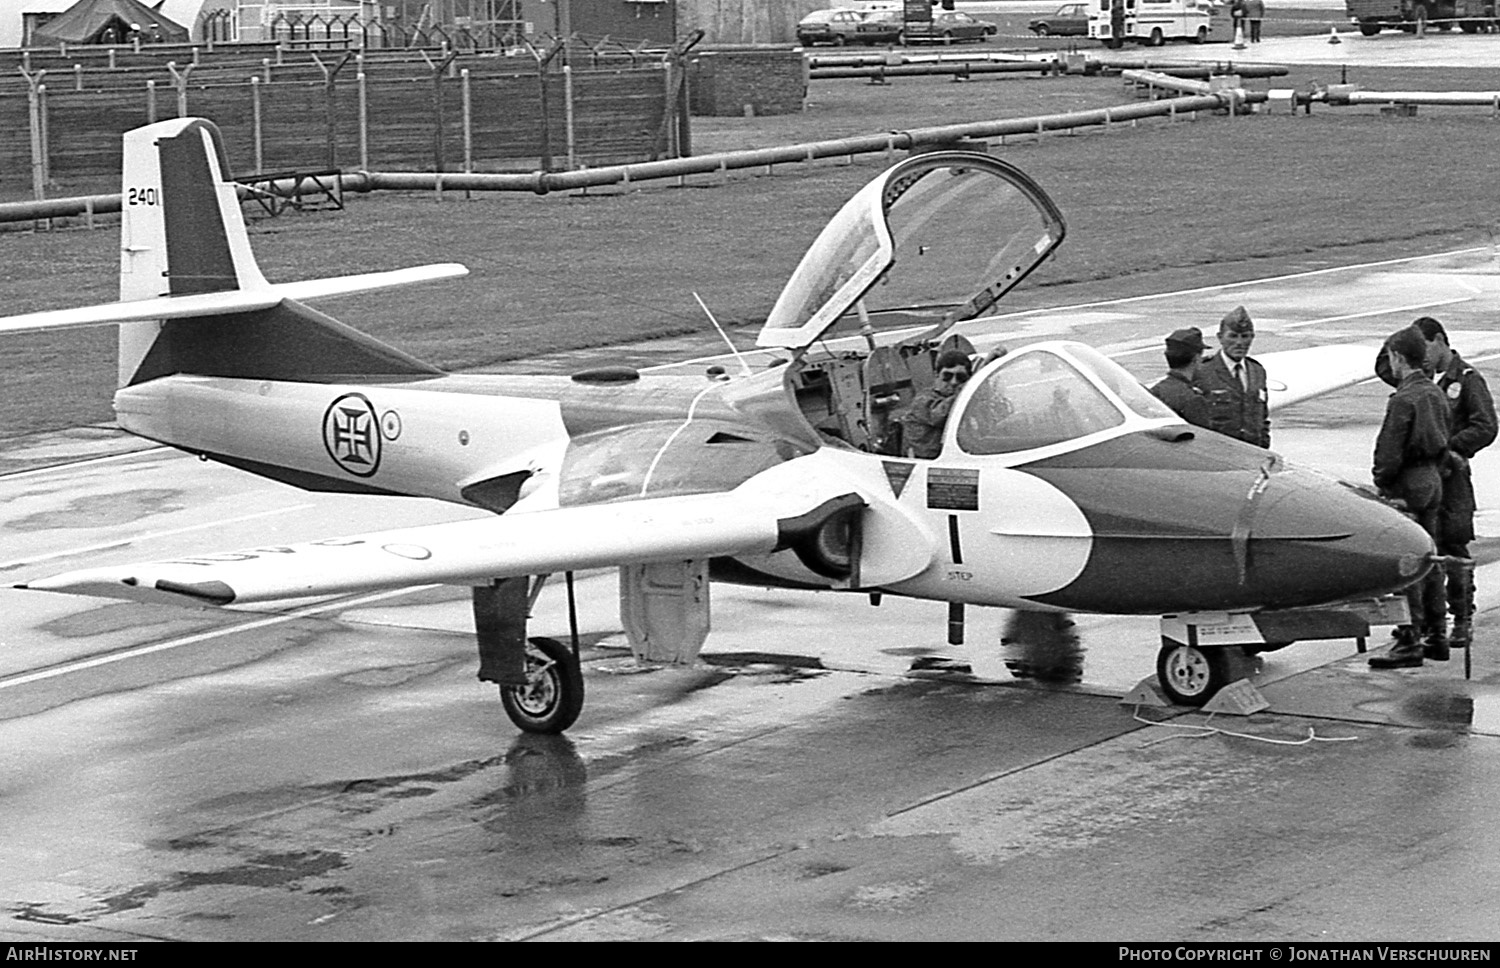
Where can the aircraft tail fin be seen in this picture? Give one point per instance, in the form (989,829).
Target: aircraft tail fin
(181,230)
(185,259)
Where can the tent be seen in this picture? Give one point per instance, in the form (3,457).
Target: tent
(108,21)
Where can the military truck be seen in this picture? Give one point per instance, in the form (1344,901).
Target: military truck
(1373,16)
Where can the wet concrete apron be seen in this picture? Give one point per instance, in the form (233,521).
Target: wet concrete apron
(765,801)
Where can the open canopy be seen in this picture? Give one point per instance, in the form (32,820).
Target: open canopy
(108,21)
(932,241)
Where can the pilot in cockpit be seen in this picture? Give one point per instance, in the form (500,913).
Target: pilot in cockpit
(925,419)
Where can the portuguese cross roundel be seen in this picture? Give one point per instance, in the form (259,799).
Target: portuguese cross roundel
(351,434)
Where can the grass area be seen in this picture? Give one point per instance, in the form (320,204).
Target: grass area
(1148,207)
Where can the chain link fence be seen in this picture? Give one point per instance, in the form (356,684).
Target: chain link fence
(573,103)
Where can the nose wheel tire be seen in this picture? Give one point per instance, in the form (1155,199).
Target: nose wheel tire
(553,695)
(1189,675)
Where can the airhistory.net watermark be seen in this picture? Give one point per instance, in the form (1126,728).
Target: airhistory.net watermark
(58,952)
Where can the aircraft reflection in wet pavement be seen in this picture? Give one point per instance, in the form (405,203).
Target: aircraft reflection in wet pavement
(1062,485)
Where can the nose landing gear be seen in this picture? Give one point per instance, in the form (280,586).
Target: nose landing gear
(1202,652)
(1190,674)
(552,697)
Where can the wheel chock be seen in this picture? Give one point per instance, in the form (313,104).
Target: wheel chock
(1145,693)
(1239,698)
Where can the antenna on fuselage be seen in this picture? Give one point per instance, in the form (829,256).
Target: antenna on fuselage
(709,313)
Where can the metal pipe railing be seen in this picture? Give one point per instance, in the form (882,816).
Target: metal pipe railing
(542,182)
(1485,98)
(1152,79)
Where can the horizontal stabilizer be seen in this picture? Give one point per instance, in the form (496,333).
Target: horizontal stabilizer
(342,285)
(225,302)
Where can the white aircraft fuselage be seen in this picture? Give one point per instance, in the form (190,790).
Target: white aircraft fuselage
(1144,519)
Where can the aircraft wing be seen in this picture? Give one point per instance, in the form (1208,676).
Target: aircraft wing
(473,552)
(1296,375)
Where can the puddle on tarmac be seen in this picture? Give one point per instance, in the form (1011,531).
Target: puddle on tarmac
(1440,708)
(1470,707)
(104,510)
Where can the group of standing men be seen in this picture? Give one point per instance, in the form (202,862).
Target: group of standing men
(1440,416)
(1225,392)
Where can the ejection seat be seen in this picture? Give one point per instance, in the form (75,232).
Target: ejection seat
(894,375)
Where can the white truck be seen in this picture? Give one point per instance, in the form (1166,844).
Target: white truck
(1151,22)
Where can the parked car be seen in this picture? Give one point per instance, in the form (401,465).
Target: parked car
(883,27)
(1069,20)
(845,26)
(950,27)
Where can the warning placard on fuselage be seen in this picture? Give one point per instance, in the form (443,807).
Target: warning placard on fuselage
(953,488)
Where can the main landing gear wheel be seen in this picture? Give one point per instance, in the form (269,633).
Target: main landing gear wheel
(553,695)
(1189,675)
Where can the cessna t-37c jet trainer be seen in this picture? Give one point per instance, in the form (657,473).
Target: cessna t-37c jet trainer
(1062,485)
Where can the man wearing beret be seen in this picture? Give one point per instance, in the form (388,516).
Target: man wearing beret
(1176,389)
(1235,385)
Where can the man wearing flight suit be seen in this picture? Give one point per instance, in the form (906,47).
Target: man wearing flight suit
(1471,428)
(1410,454)
(925,419)
(1176,389)
(1235,385)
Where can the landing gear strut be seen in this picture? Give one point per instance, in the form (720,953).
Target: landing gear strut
(540,679)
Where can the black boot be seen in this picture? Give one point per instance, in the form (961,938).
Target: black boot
(1406,653)
(1436,647)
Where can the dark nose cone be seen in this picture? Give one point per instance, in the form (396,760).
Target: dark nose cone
(1313,540)
(1203,527)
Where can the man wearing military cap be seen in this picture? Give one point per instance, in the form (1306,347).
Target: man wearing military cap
(1235,385)
(1176,389)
